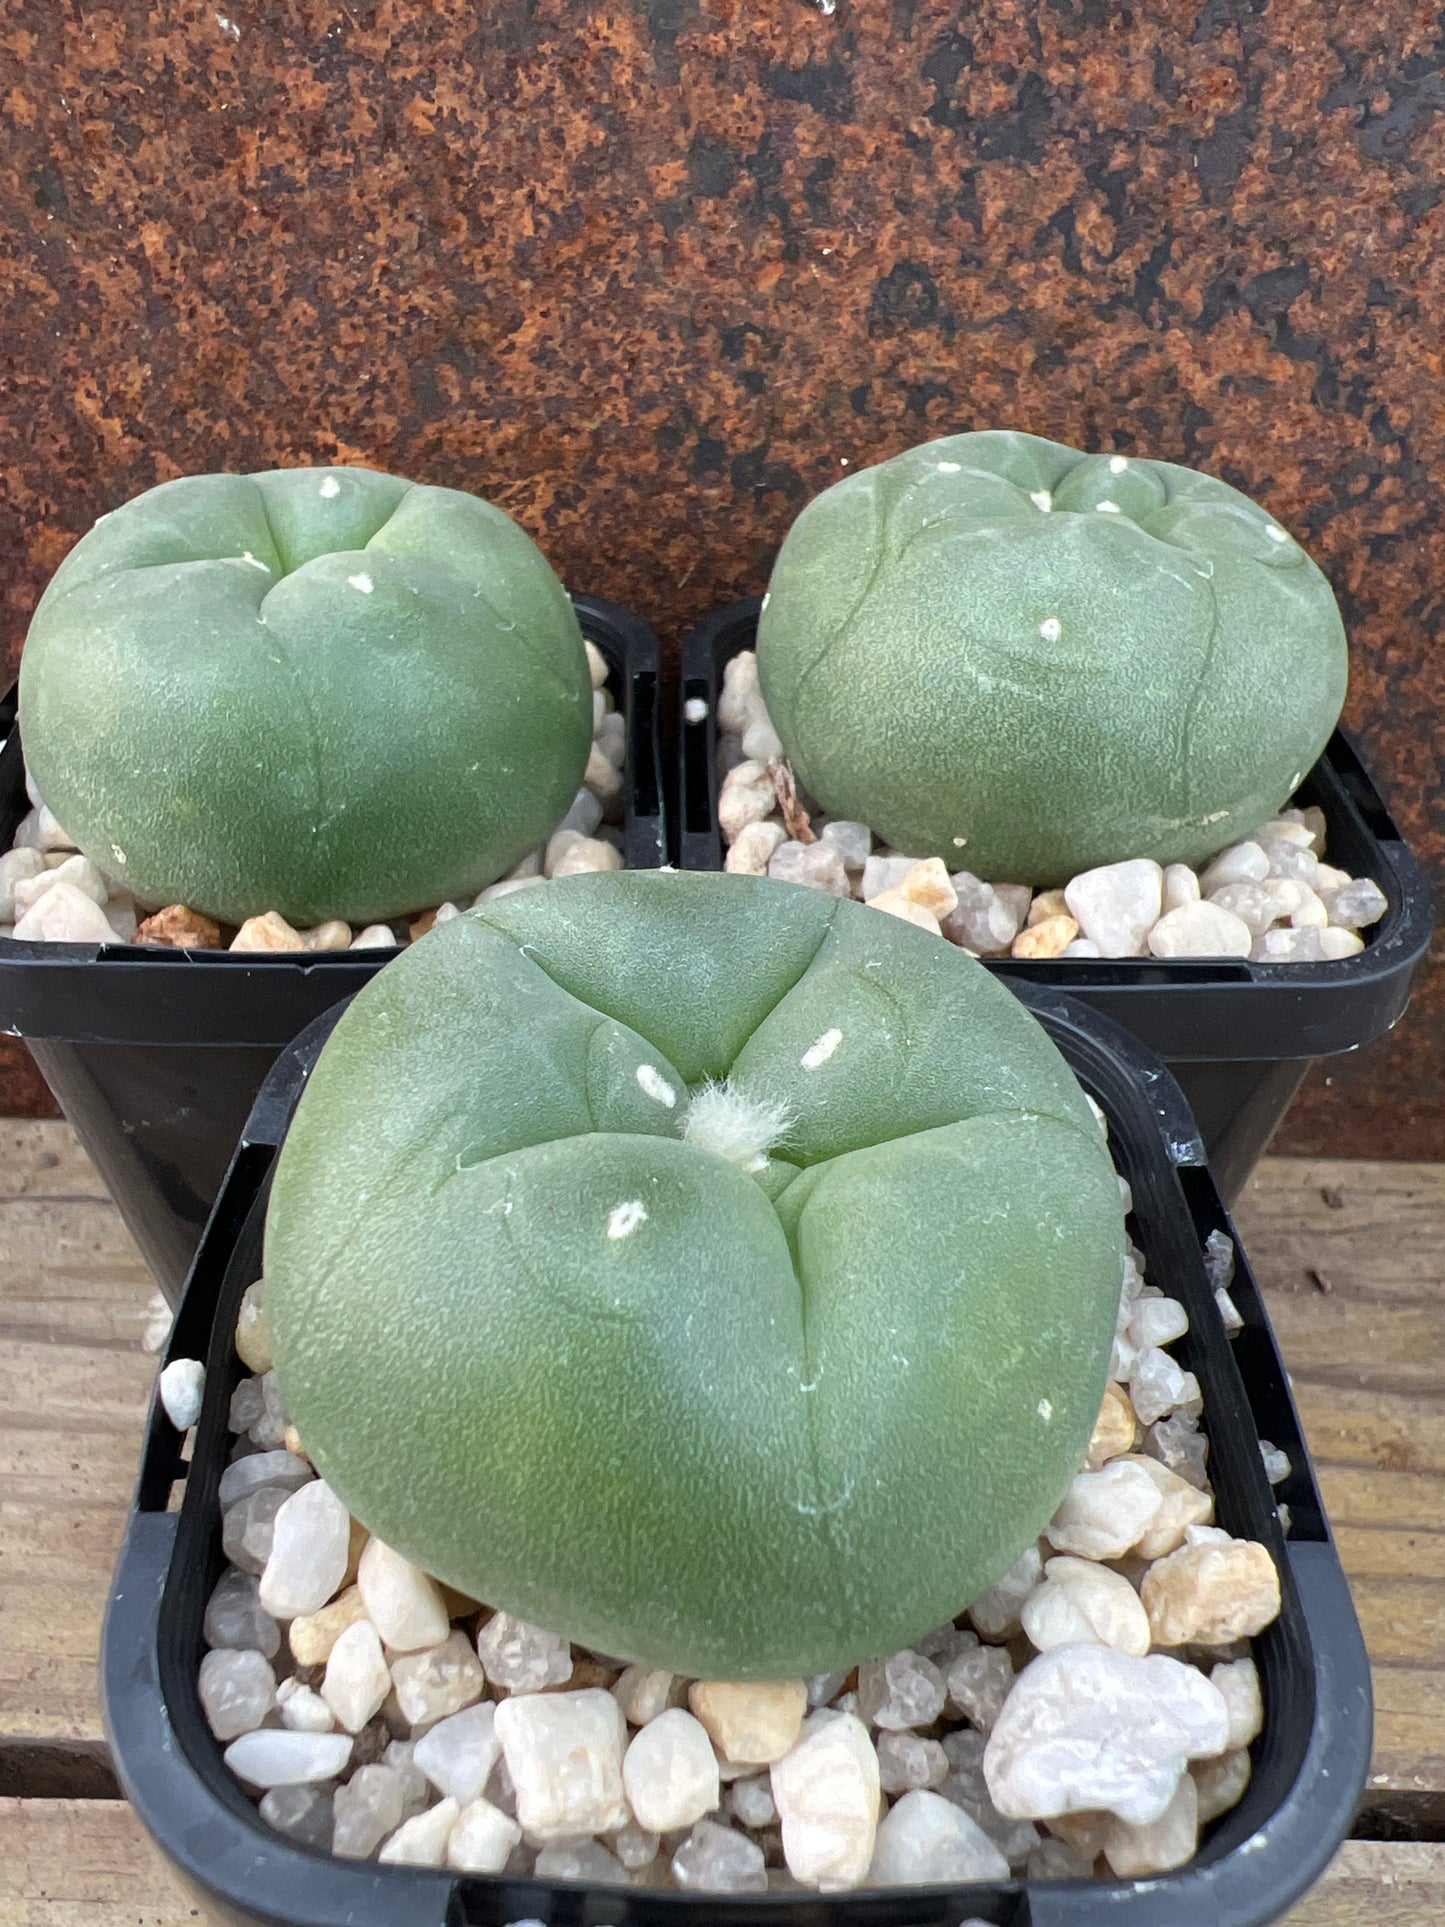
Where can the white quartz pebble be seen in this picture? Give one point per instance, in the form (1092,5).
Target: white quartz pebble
(1356,905)
(643,1693)
(580,1860)
(253,1334)
(440,1681)
(584,816)
(1133,1851)
(751,1800)
(596,663)
(357,1677)
(670,1772)
(259,1469)
(747,796)
(422,1840)
(564,1754)
(301,1813)
(904,1690)
(521,1657)
(827,1794)
(601,774)
(853,841)
(235,1617)
(64,915)
(928,1841)
(237,1689)
(1200,930)
(1082,947)
(1083,1602)
(1158,1385)
(979,1678)
(269,1757)
(1220,1783)
(78,871)
(482,1839)
(1088,1729)
(16,866)
(366,1810)
(741,700)
(1156,1321)
(1238,1681)
(182,1388)
(403,1604)
(751,1723)
(376,936)
(302,1709)
(1104,1513)
(1240,863)
(1255,904)
(1336,944)
(815,866)
(1180,886)
(717,1860)
(310,1550)
(761,741)
(884,872)
(982,920)
(1116,905)
(458,1753)
(907,1761)
(996,1612)
(1182,1505)
(753,848)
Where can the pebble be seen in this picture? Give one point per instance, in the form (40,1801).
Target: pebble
(1050,937)
(751,1801)
(357,1677)
(747,796)
(271,1757)
(1057,1860)
(1211,1591)
(586,857)
(237,1689)
(261,1469)
(1254,904)
(670,1772)
(584,816)
(1104,1513)
(253,1335)
(303,1710)
(893,903)
(996,1611)
(404,1605)
(1156,1320)
(1081,1602)
(612,741)
(884,872)
(853,841)
(78,871)
(416,1793)
(752,1723)
(248,1529)
(928,884)
(634,1846)
(1337,944)
(1238,1681)
(365,1811)
(741,701)
(643,1694)
(762,742)
(312,1636)
(902,1691)
(1357,904)
(601,775)
(308,1552)
(1133,1851)
(981,920)
(458,1754)
(268,1428)
(1088,1729)
(1241,863)
(182,1389)
(64,915)
(1220,1783)
(564,1755)
(268,932)
(1182,1506)
(301,1813)
(1081,947)
(16,866)
(422,1840)
(717,1860)
(827,1794)
(1201,930)
(815,866)
(235,1617)
(906,1761)
(1287,859)
(597,663)
(433,1684)
(1114,1429)
(823,1687)
(483,1838)
(753,848)
(928,1841)
(376,936)
(1116,905)
(1178,1443)
(1158,1386)
(979,1678)
(522,1658)
(331,935)
(1180,886)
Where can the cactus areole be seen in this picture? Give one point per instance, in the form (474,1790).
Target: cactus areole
(323,691)
(1029,661)
(713,1272)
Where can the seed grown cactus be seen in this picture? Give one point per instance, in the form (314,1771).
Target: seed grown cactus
(323,691)
(1028,661)
(714,1272)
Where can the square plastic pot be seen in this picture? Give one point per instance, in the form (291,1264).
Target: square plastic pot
(156,1056)
(1308,1764)
(1239,1037)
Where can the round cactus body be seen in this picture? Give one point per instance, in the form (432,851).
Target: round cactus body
(327,692)
(1029,661)
(714,1272)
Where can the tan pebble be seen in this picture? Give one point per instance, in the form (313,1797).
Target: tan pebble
(893,903)
(600,775)
(585,1673)
(748,796)
(313,1635)
(1220,1783)
(596,664)
(586,856)
(1049,937)
(1114,1428)
(419,926)
(271,932)
(754,847)
(1211,1593)
(1048,903)
(751,1723)
(253,1336)
(293,1443)
(928,885)
(1183,1505)
(333,935)
(180,929)
(1166,1842)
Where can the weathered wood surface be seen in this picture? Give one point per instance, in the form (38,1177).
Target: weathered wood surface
(1351,1257)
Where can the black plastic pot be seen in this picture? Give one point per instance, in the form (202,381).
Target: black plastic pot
(1238,1036)
(1308,1764)
(156,1056)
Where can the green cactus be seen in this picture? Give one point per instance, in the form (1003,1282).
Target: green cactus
(1029,661)
(327,692)
(712,1271)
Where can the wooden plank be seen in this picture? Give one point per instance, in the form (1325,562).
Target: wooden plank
(84,1863)
(1399,1883)
(1366,1356)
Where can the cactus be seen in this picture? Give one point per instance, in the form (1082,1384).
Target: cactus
(1029,661)
(327,692)
(714,1272)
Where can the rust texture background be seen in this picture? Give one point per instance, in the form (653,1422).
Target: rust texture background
(649,272)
